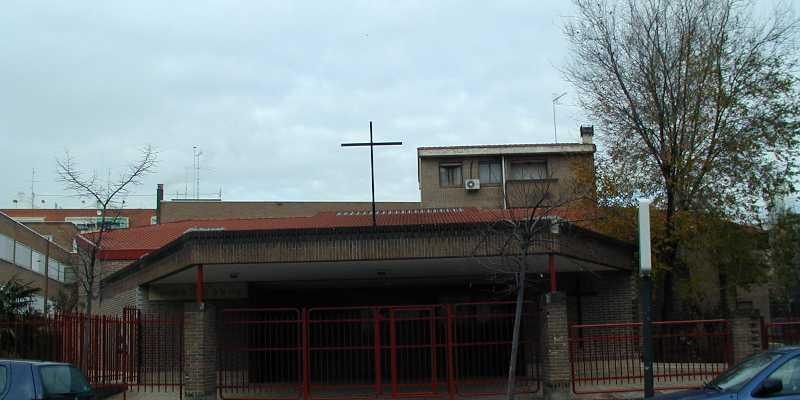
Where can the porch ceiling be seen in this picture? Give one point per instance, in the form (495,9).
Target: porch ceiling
(442,269)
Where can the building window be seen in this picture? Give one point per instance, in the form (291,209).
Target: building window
(23,220)
(6,248)
(490,172)
(93,223)
(450,174)
(54,270)
(38,262)
(529,170)
(22,255)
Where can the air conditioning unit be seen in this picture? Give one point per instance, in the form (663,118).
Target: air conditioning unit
(472,184)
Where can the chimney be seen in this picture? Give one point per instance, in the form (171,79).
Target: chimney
(587,132)
(159,199)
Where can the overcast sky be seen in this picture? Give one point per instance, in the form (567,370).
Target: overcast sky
(269,89)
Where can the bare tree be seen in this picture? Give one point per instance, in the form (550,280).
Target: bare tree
(698,103)
(107,194)
(537,210)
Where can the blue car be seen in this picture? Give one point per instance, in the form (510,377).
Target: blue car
(34,380)
(771,374)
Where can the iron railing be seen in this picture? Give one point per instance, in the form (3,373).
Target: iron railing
(607,358)
(367,352)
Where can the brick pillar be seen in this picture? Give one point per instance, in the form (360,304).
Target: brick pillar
(200,352)
(745,333)
(555,347)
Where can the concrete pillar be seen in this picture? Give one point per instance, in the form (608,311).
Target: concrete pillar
(200,352)
(555,347)
(745,333)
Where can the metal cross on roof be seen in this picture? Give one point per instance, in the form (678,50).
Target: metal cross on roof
(372,145)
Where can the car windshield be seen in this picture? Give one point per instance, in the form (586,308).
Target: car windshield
(737,376)
(63,379)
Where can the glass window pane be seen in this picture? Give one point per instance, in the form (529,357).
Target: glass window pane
(737,376)
(38,262)
(69,273)
(443,178)
(6,248)
(63,379)
(3,378)
(529,170)
(483,172)
(789,375)
(450,175)
(490,172)
(22,255)
(52,269)
(497,173)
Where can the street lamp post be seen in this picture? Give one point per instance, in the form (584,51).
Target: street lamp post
(645,267)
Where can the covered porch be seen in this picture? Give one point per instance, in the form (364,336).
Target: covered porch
(370,312)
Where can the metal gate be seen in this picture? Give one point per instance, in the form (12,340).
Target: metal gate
(373,351)
(134,352)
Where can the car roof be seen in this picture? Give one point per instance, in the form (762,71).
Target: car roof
(31,362)
(785,350)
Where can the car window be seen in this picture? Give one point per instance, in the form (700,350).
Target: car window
(63,379)
(789,375)
(736,377)
(3,379)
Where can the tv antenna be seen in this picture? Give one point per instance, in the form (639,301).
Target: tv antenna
(555,100)
(196,153)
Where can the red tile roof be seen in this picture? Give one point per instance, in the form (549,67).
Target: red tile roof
(128,244)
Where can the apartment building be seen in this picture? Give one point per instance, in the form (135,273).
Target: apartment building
(503,176)
(85,219)
(33,258)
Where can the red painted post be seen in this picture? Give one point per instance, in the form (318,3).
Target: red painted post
(393,353)
(306,363)
(434,351)
(551,267)
(450,371)
(377,328)
(199,286)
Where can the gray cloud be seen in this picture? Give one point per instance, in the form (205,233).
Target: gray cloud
(269,90)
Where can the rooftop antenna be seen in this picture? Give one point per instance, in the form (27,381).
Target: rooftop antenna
(555,99)
(33,194)
(197,153)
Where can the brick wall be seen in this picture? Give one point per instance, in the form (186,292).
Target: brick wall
(112,305)
(745,334)
(555,346)
(608,297)
(200,352)
(115,305)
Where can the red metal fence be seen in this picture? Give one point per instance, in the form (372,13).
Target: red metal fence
(780,333)
(607,358)
(366,352)
(134,351)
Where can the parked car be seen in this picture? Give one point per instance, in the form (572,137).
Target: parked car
(770,374)
(34,380)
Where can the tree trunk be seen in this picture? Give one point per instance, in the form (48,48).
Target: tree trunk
(87,319)
(512,364)
(723,294)
(670,254)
